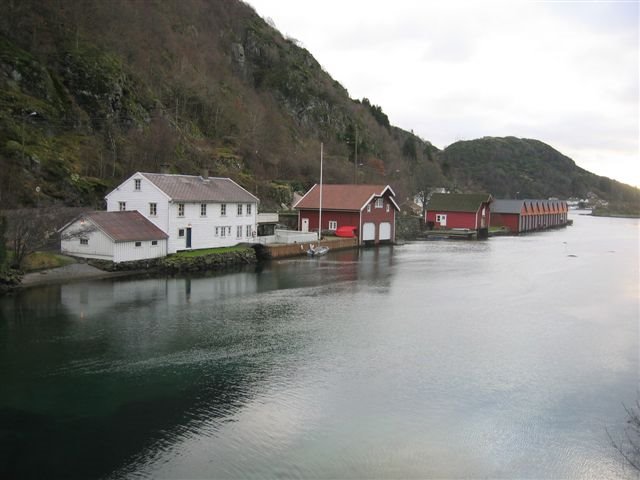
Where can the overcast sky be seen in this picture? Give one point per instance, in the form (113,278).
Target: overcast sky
(565,73)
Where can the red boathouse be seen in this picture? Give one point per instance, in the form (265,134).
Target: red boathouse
(459,211)
(371,209)
(528,215)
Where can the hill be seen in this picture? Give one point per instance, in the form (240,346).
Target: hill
(93,91)
(515,167)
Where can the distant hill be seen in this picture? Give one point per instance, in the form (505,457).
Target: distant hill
(93,91)
(516,167)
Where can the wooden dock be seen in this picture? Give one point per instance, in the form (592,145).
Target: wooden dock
(296,249)
(455,233)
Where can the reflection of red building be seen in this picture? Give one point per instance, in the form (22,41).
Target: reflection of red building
(527,215)
(459,210)
(370,208)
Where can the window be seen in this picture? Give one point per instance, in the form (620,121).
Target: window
(369,208)
(249,229)
(333,225)
(122,206)
(239,231)
(387,207)
(84,241)
(440,218)
(154,243)
(203,209)
(138,244)
(239,209)
(181,233)
(223,231)
(248,209)
(153,209)
(181,209)
(217,231)
(223,209)
(137,184)
(379,202)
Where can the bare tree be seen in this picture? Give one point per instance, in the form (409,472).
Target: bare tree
(30,230)
(628,445)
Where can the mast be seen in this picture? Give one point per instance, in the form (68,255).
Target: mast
(320,215)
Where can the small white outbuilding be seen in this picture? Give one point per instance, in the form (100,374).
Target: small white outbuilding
(114,236)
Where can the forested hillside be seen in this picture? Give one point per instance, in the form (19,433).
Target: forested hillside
(92,91)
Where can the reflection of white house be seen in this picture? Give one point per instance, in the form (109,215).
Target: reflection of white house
(114,236)
(195,211)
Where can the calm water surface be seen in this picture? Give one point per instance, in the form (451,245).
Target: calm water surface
(446,359)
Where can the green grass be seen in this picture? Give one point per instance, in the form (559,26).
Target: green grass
(45,260)
(208,251)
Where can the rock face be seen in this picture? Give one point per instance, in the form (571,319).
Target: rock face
(177,264)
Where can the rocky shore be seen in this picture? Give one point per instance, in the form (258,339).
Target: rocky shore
(95,269)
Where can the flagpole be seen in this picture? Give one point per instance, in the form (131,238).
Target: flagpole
(320,215)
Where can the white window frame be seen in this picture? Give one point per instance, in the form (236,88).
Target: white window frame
(441,218)
(223,209)
(369,208)
(153,209)
(137,184)
(122,206)
(239,209)
(333,225)
(203,209)
(181,232)
(379,202)
(138,244)
(181,209)
(249,229)
(154,243)
(248,209)
(388,207)
(84,242)
(238,231)
(223,231)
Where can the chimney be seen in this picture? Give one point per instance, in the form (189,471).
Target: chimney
(165,168)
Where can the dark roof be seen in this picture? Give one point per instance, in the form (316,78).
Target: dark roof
(343,197)
(507,206)
(126,226)
(190,188)
(457,202)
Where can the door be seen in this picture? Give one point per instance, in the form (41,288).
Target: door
(305,224)
(385,231)
(369,231)
(188,237)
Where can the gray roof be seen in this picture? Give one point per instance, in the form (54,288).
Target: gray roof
(191,188)
(126,226)
(507,206)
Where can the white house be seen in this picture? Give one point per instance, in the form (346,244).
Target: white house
(114,236)
(195,211)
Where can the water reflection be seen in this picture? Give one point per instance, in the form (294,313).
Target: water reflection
(437,359)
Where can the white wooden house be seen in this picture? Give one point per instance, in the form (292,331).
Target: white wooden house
(113,236)
(195,211)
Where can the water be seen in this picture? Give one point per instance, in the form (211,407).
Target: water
(446,359)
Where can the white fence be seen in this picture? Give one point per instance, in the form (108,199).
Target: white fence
(288,237)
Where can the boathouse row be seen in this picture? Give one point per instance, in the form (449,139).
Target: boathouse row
(528,214)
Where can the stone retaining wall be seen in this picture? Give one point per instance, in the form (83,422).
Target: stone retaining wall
(178,264)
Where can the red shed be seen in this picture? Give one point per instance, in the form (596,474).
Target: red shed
(459,210)
(371,209)
(527,215)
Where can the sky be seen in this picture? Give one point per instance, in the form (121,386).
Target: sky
(565,73)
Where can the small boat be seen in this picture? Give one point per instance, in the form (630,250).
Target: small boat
(347,231)
(317,251)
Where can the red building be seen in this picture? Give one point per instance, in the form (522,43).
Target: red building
(371,209)
(528,215)
(459,210)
